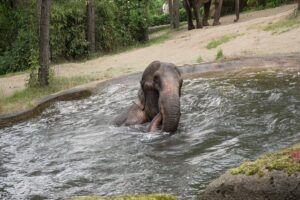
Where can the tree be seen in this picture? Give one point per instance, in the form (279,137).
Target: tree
(170,4)
(175,13)
(90,5)
(299,5)
(44,42)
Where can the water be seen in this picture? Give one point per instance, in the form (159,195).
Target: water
(72,149)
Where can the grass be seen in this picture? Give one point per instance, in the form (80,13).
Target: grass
(224,39)
(135,197)
(220,54)
(26,98)
(287,160)
(200,59)
(284,25)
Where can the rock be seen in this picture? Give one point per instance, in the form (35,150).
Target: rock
(129,197)
(274,185)
(273,176)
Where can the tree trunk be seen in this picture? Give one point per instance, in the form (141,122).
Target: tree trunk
(44,43)
(299,5)
(175,13)
(170,4)
(91,25)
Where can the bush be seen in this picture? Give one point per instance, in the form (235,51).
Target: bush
(134,16)
(164,19)
(261,4)
(118,24)
(67,33)
(18,37)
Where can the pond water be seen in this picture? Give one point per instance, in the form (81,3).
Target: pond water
(72,148)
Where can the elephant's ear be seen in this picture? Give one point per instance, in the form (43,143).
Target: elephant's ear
(141,99)
(178,71)
(180,81)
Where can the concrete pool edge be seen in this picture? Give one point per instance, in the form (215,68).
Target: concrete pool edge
(283,60)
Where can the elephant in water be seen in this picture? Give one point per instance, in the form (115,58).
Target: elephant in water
(194,5)
(158,99)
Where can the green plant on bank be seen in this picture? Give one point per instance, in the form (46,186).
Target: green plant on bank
(262,4)
(200,59)
(284,25)
(129,197)
(25,98)
(287,160)
(224,39)
(220,54)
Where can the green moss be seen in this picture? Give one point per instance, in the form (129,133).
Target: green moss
(286,160)
(129,197)
(224,39)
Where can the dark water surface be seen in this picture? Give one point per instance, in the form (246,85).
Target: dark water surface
(71,149)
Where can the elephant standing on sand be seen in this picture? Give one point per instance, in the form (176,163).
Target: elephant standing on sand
(194,5)
(158,99)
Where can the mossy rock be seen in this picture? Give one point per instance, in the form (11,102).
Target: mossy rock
(273,176)
(128,197)
(287,160)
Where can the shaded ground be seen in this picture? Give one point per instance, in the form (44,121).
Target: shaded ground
(186,47)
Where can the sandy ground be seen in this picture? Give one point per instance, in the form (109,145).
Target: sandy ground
(185,47)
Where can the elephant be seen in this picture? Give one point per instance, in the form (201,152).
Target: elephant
(195,6)
(158,99)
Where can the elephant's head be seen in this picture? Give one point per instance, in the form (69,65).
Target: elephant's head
(161,85)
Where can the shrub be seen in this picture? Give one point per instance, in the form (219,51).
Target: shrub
(68,30)
(118,24)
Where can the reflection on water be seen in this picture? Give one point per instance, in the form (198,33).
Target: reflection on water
(72,149)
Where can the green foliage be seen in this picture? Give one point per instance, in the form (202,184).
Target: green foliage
(286,160)
(261,4)
(155,7)
(220,54)
(18,37)
(110,32)
(224,39)
(284,25)
(200,59)
(157,20)
(118,24)
(68,30)
(30,94)
(134,16)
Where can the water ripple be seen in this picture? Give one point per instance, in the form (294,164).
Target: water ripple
(73,149)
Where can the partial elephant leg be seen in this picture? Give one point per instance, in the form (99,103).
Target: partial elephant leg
(133,115)
(237,10)
(218,7)
(188,8)
(157,120)
(206,13)
(196,7)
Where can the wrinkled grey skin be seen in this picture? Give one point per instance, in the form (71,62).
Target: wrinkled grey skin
(194,6)
(158,99)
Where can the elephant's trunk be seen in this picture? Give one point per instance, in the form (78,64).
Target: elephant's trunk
(170,110)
